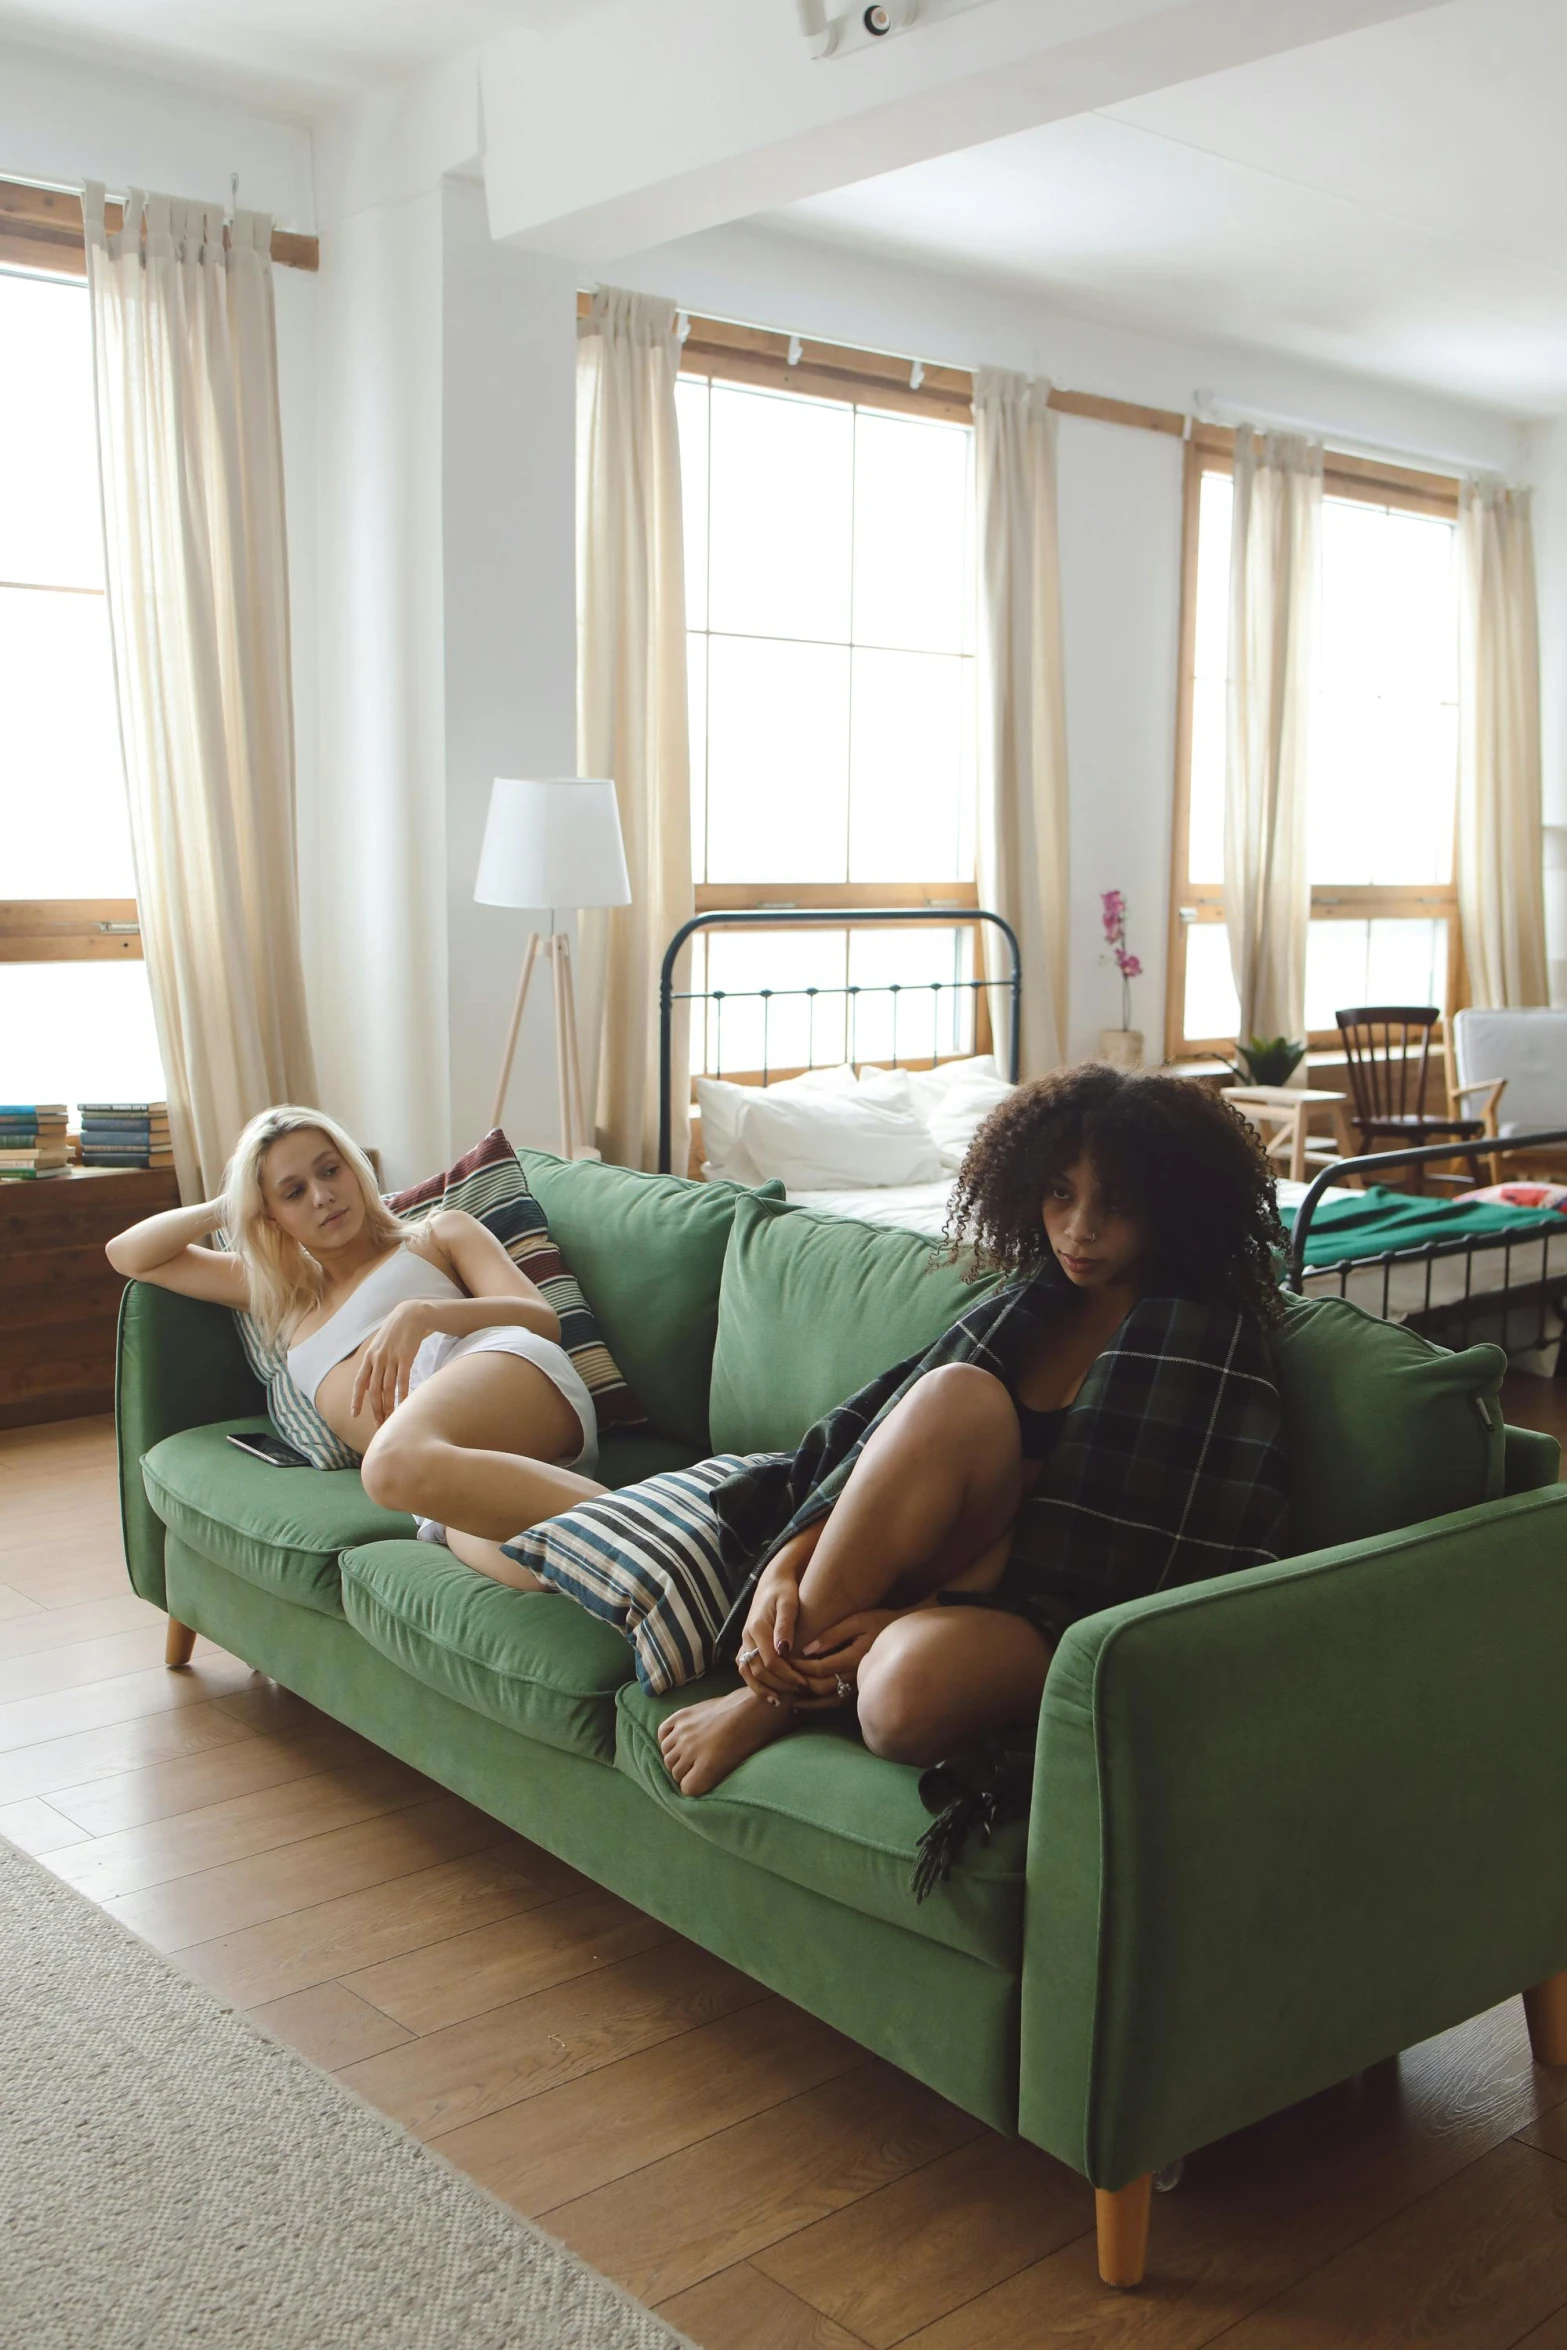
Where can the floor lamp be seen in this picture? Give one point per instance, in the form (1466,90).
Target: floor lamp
(554,844)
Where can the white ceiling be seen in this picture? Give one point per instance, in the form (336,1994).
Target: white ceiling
(297,55)
(1391,201)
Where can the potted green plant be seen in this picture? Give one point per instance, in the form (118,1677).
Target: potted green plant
(1267,1060)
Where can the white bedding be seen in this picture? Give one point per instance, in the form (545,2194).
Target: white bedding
(922,1207)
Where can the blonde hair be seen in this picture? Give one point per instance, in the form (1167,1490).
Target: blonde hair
(285,1279)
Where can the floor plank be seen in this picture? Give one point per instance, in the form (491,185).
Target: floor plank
(571,2140)
(119,1749)
(225,1902)
(933,2240)
(330,2024)
(243,1764)
(1470,2267)
(16,1603)
(298,1948)
(740,2309)
(63,1572)
(58,1713)
(90,1619)
(461,2073)
(1549,2133)
(36,1827)
(505,1961)
(265,1821)
(82,1665)
(677,2221)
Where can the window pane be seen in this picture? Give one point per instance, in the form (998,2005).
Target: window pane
(910,746)
(62,786)
(780,530)
(913,583)
(72,1032)
(50,526)
(791,1028)
(1205,844)
(691,417)
(1212,1006)
(1217,503)
(777,761)
(696,695)
(910,1009)
(1376,962)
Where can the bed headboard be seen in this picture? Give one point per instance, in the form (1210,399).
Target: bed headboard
(839,918)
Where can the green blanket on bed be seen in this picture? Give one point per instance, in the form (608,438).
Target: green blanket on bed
(1368,1223)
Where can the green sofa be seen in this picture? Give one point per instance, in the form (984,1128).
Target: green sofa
(1284,1824)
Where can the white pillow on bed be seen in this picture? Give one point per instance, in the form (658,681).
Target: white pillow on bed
(722,1106)
(955,1100)
(820,1141)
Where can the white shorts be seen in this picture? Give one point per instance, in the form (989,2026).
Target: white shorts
(509,1338)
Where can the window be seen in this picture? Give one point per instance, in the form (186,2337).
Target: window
(830,609)
(75,1015)
(1382,759)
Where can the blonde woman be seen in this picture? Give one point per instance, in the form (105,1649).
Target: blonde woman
(423,1347)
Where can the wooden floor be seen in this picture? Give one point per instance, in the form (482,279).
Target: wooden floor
(753,2175)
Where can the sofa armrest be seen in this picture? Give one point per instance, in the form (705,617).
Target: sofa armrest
(1532,1459)
(1288,1823)
(179,1365)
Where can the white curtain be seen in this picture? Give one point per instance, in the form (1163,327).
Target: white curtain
(1501,841)
(631,707)
(1275,557)
(190,460)
(1022,832)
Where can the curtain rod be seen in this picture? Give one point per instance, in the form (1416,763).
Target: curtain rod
(1209,408)
(39,217)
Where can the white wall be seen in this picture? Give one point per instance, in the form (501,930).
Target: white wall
(1547,469)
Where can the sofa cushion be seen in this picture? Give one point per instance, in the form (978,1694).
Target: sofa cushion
(811,1308)
(281,1528)
(528,1659)
(1381,1428)
(650,1250)
(818,1809)
(627,1455)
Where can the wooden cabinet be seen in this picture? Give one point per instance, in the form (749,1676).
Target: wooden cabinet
(59,1295)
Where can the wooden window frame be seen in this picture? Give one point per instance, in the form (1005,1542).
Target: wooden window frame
(1211,449)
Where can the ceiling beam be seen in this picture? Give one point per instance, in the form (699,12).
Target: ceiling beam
(646,120)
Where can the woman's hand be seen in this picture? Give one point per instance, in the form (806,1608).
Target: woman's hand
(384,1366)
(763,1661)
(834,1659)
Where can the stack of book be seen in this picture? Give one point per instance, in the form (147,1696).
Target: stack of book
(126,1134)
(32,1140)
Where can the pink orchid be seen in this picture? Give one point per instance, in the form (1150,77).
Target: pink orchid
(1113,902)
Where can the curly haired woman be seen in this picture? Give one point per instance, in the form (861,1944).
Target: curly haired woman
(1104,1426)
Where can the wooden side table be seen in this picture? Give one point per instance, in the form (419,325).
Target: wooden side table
(59,1295)
(1282,1115)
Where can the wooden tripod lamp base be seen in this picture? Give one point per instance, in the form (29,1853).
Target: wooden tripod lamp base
(555,950)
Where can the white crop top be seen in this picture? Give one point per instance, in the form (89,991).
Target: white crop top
(403,1274)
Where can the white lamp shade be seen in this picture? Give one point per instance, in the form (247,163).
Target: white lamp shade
(554,843)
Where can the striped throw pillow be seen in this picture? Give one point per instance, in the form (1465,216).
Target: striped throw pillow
(488,1184)
(291,1411)
(649,1560)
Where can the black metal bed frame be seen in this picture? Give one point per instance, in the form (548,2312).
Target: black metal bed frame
(1546,1292)
(823,918)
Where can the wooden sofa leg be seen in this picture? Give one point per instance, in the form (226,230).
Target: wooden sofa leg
(1122,2220)
(1545,2010)
(178,1644)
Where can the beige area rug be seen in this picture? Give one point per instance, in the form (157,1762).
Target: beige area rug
(171,2176)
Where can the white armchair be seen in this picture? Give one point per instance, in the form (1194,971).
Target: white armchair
(1521,1053)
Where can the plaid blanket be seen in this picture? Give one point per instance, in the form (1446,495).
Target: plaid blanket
(1168,1467)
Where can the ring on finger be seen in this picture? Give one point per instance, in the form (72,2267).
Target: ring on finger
(844,1688)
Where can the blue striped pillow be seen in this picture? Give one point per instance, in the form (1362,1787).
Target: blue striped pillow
(649,1560)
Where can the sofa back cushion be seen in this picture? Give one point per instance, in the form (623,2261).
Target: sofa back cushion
(811,1308)
(649,1250)
(1381,1428)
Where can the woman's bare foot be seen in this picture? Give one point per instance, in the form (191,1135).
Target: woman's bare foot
(703,1743)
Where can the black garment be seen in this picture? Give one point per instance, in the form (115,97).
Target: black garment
(1037,1430)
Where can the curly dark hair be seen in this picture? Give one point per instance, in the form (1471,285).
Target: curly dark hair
(1173,1153)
